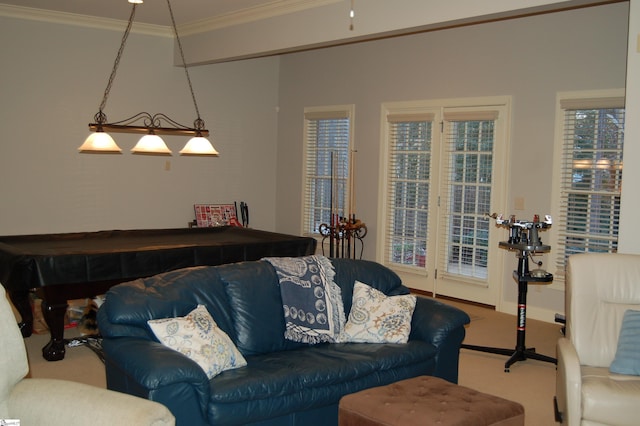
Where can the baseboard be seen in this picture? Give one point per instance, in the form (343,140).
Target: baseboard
(511,308)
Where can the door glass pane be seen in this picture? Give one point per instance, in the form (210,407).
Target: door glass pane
(408,198)
(469,188)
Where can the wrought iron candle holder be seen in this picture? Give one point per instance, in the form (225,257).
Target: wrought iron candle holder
(344,234)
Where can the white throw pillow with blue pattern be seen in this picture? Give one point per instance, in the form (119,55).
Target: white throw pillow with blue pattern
(378,318)
(198,337)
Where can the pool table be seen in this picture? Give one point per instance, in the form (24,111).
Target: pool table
(62,267)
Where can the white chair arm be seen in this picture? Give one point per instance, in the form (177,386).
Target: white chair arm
(568,383)
(60,402)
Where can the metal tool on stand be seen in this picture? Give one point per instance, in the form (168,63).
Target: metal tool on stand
(524,239)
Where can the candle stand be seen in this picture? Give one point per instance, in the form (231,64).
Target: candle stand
(343,235)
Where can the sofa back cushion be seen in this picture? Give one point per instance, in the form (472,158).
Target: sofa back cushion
(600,288)
(243,298)
(130,305)
(371,273)
(256,305)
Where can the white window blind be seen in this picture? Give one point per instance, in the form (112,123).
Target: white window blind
(466,192)
(408,188)
(591,177)
(327,146)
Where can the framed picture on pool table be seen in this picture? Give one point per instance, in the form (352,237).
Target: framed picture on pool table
(208,215)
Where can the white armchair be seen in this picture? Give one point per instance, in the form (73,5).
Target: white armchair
(599,289)
(58,402)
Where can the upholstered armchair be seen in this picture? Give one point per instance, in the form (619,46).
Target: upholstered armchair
(602,293)
(59,402)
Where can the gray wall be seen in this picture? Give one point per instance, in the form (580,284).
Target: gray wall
(53,79)
(530,59)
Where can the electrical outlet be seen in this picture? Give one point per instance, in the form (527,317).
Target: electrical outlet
(518,203)
(167,165)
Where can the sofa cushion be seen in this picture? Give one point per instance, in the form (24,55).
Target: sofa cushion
(609,398)
(377,318)
(372,273)
(312,376)
(198,337)
(256,307)
(167,295)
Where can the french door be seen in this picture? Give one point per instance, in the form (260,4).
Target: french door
(444,171)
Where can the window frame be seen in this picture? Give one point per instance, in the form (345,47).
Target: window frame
(322,113)
(571,100)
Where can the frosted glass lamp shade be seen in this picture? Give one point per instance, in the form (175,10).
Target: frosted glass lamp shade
(99,142)
(198,145)
(151,144)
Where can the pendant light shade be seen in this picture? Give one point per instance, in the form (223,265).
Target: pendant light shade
(100,142)
(198,145)
(151,144)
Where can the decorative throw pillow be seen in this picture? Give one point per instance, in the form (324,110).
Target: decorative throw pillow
(378,318)
(627,359)
(198,337)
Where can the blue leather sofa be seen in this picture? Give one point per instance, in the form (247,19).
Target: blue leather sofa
(284,382)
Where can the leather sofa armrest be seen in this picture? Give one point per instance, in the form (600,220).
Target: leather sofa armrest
(568,382)
(60,402)
(152,366)
(434,321)
(443,326)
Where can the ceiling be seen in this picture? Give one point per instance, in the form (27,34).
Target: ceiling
(152,11)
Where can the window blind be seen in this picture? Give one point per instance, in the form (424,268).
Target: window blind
(408,188)
(591,177)
(327,142)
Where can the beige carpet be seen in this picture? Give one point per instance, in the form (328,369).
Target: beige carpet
(530,382)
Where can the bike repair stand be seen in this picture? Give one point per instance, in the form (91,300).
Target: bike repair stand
(523,239)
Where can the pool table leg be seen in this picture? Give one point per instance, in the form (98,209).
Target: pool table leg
(20,300)
(54,312)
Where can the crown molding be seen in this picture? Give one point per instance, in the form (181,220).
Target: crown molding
(66,18)
(265,11)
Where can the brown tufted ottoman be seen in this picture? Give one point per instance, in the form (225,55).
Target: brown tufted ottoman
(427,401)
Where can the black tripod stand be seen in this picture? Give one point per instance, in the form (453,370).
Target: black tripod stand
(524,239)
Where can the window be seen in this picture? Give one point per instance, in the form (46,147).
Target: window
(444,168)
(327,133)
(590,176)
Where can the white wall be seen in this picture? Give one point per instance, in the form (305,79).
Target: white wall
(528,58)
(629,239)
(53,79)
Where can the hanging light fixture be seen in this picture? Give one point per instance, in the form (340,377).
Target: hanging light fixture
(144,123)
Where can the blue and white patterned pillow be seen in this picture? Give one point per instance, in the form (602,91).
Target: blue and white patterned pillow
(378,318)
(198,337)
